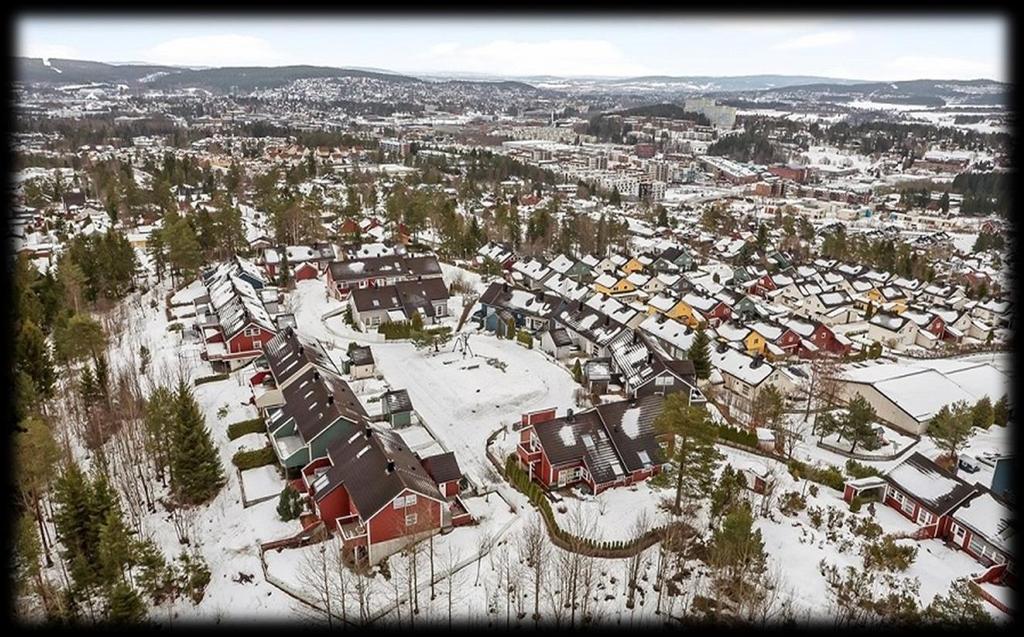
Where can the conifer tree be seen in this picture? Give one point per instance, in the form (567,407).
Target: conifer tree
(125,605)
(196,471)
(700,354)
(577,372)
(960,606)
(116,549)
(160,420)
(1001,411)
(693,441)
(951,427)
(32,356)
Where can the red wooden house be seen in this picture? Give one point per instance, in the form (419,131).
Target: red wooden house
(921,491)
(611,445)
(379,496)
(828,341)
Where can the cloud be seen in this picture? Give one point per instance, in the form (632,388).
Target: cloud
(216,50)
(763,26)
(550,57)
(943,68)
(815,40)
(51,51)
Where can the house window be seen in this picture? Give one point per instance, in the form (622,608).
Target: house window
(257,344)
(410,519)
(925,518)
(664,381)
(407,501)
(252,331)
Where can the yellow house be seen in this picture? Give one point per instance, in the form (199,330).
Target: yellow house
(622,286)
(755,343)
(684,313)
(632,266)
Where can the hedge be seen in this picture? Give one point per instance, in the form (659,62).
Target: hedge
(211,379)
(831,476)
(858,470)
(525,338)
(252,459)
(239,429)
(743,437)
(395,329)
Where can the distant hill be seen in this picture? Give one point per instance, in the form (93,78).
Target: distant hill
(919,92)
(248,78)
(61,71)
(729,83)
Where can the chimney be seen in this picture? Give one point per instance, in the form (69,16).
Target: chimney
(569,416)
(504,286)
(390,467)
(368,432)
(330,399)
(302,350)
(650,357)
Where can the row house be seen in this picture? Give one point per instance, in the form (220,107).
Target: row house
(944,506)
(742,377)
(613,444)
(374,306)
(345,276)
(503,306)
(306,404)
(645,370)
(238,314)
(304,262)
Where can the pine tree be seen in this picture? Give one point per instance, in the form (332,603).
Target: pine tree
(1001,411)
(196,473)
(160,422)
(951,427)
(960,606)
(32,356)
(700,354)
(125,605)
(577,372)
(981,414)
(289,505)
(858,423)
(116,549)
(693,440)
(737,550)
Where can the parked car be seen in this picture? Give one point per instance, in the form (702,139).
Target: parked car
(968,464)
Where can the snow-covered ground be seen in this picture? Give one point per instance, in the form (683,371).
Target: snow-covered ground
(262,482)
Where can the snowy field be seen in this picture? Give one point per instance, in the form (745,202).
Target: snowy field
(461,400)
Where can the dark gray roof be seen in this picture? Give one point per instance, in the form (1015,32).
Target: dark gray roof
(315,400)
(634,445)
(361,355)
(360,462)
(944,490)
(287,353)
(443,467)
(560,337)
(396,401)
(389,266)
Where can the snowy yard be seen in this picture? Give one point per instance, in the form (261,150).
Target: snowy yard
(615,512)
(262,482)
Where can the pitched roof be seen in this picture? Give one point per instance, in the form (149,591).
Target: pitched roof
(443,467)
(928,483)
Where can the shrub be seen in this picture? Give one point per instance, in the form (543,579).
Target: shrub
(858,470)
(252,459)
(866,527)
(792,502)
(175,327)
(195,576)
(886,555)
(289,505)
(211,379)
(830,476)
(243,427)
(855,504)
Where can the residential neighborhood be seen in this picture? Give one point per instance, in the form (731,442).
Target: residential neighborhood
(354,348)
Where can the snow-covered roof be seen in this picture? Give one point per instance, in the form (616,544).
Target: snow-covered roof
(989,517)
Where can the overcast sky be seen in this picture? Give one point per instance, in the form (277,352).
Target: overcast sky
(880,48)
